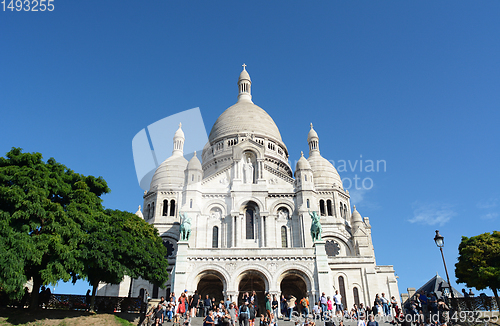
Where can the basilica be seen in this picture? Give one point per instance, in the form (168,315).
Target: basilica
(237,218)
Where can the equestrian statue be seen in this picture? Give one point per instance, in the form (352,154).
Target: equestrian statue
(185,226)
(315,226)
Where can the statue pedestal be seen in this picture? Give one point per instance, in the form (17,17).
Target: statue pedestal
(323,271)
(179,276)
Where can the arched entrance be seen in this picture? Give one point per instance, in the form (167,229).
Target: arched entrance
(253,281)
(293,283)
(210,283)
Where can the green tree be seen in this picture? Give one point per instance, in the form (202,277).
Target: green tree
(120,243)
(479,262)
(39,240)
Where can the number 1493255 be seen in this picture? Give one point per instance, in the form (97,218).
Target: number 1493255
(28,5)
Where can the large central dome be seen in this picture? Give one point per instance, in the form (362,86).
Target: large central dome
(244,116)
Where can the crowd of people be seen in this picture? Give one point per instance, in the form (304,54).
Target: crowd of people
(222,313)
(332,307)
(227,313)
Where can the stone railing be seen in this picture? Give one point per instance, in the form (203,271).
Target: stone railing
(108,304)
(475,303)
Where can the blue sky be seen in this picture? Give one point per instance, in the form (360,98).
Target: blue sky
(415,84)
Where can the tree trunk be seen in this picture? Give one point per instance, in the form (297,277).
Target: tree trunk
(495,292)
(35,293)
(94,290)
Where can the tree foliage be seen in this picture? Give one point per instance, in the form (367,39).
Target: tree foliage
(38,238)
(479,262)
(120,243)
(53,227)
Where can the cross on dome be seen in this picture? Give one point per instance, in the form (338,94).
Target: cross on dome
(244,65)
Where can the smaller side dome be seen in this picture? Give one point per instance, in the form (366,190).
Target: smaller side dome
(169,173)
(194,163)
(356,217)
(139,212)
(356,220)
(302,163)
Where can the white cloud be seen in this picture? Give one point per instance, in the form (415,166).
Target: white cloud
(489,216)
(357,196)
(489,203)
(431,214)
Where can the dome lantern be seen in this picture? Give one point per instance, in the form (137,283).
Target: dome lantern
(313,140)
(179,142)
(244,86)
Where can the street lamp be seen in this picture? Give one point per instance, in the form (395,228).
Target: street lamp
(439,240)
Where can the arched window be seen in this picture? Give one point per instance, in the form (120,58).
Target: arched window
(165,208)
(215,237)
(284,240)
(192,177)
(172,207)
(305,177)
(341,207)
(356,296)
(345,211)
(329,207)
(153,209)
(308,205)
(148,212)
(190,203)
(342,290)
(249,214)
(155,291)
(322,207)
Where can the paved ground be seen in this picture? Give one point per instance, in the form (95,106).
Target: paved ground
(198,321)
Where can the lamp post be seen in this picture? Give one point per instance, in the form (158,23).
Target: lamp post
(439,240)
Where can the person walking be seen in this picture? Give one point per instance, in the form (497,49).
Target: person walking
(291,305)
(385,305)
(181,309)
(329,307)
(244,314)
(304,303)
(207,303)
(274,307)
(323,301)
(339,309)
(283,307)
(193,305)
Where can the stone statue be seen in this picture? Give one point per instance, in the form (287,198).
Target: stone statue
(283,214)
(185,226)
(315,227)
(215,213)
(248,171)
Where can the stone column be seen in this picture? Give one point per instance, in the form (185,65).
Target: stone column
(235,228)
(261,231)
(264,226)
(322,269)
(233,296)
(179,273)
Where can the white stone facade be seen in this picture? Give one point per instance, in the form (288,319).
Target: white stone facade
(250,218)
